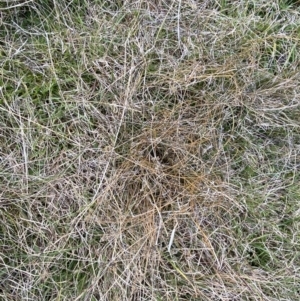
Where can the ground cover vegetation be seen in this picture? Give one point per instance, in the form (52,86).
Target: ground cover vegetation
(149,150)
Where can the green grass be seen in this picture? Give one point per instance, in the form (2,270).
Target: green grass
(149,150)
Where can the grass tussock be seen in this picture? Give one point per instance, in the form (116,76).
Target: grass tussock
(149,150)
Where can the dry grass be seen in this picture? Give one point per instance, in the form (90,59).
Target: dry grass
(149,150)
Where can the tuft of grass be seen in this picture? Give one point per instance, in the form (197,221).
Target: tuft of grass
(149,151)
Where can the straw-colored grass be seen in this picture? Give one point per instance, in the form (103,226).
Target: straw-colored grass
(149,150)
